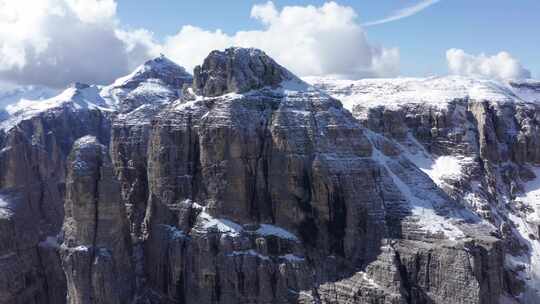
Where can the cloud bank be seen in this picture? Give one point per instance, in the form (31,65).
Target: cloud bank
(404,13)
(501,66)
(308,40)
(55,42)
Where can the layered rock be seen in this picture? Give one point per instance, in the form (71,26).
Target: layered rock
(35,140)
(251,186)
(96,249)
(287,158)
(34,145)
(477,140)
(238,70)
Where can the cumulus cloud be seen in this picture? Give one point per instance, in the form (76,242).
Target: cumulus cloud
(309,40)
(404,13)
(499,66)
(55,42)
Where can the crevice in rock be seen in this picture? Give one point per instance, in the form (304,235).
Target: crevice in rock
(337,222)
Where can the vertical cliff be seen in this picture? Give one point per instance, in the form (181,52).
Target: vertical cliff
(96,248)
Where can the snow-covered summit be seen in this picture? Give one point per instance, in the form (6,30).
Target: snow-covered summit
(11,96)
(156,81)
(435,91)
(159,68)
(78,96)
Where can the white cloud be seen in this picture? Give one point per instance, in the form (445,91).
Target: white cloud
(499,66)
(404,13)
(308,40)
(55,42)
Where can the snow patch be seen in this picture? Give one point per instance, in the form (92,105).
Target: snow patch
(439,169)
(422,204)
(6,210)
(271,230)
(530,225)
(222,225)
(82,248)
(86,142)
(531,196)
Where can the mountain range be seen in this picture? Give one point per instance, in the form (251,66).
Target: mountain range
(243,183)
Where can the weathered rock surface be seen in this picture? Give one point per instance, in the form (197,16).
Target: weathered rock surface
(32,182)
(238,70)
(251,186)
(291,160)
(96,248)
(478,141)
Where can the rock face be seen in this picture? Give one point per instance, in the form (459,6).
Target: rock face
(238,70)
(247,185)
(96,252)
(32,182)
(278,195)
(477,140)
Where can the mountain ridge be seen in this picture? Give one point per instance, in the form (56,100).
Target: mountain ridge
(252,186)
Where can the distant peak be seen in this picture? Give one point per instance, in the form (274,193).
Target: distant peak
(238,70)
(159,67)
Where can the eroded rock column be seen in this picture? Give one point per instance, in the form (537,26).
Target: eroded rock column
(96,253)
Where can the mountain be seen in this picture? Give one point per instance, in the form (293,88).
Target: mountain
(246,184)
(11,96)
(476,139)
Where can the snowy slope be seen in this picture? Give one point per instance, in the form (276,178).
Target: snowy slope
(8,97)
(435,91)
(157,81)
(78,96)
(442,141)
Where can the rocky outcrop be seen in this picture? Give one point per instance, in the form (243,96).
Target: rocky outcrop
(238,70)
(96,250)
(32,183)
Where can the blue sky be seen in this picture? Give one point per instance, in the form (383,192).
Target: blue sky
(478,26)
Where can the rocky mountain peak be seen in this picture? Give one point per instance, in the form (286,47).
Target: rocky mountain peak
(95,228)
(160,68)
(238,70)
(156,81)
